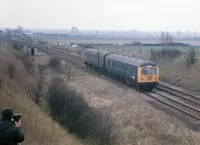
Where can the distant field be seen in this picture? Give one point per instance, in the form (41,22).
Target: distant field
(93,40)
(121,48)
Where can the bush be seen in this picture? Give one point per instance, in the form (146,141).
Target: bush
(42,42)
(153,56)
(70,110)
(68,67)
(65,104)
(171,53)
(55,63)
(27,62)
(17,45)
(191,57)
(97,125)
(38,90)
(1,82)
(11,70)
(42,68)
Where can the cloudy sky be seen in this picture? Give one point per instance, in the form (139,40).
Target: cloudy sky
(102,14)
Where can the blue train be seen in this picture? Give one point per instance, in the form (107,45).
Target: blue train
(136,72)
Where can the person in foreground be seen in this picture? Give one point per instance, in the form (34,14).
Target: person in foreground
(10,131)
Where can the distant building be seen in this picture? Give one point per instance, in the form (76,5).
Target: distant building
(74,30)
(27,34)
(73,45)
(32,51)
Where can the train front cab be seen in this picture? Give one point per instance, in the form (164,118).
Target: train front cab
(148,77)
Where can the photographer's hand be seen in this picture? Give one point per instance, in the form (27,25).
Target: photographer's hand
(18,124)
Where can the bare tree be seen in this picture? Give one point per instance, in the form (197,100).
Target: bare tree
(1,32)
(162,37)
(166,36)
(8,32)
(38,90)
(191,57)
(11,70)
(68,66)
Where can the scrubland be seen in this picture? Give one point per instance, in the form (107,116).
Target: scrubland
(39,128)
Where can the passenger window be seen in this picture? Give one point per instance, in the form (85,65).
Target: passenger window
(153,71)
(144,71)
(133,69)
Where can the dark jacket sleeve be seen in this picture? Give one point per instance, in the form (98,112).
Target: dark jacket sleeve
(19,135)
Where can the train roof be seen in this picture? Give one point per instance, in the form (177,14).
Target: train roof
(130,60)
(121,58)
(94,51)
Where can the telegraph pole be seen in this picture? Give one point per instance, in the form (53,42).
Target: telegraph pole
(98,64)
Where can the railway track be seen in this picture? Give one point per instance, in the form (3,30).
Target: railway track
(185,102)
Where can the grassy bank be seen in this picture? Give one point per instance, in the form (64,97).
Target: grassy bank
(39,128)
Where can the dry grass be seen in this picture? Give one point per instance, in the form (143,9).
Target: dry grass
(137,122)
(176,72)
(39,128)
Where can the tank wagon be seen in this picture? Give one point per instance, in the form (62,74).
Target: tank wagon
(136,72)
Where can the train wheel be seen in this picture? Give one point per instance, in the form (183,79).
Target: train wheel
(149,89)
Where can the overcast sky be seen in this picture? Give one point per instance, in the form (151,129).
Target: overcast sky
(102,14)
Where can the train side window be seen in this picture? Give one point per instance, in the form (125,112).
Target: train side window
(107,62)
(144,71)
(153,71)
(133,69)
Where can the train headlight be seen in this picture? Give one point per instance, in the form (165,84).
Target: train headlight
(133,77)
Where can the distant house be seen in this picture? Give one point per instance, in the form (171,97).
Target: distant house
(74,45)
(27,34)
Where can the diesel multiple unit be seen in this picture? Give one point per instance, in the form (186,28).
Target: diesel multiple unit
(139,73)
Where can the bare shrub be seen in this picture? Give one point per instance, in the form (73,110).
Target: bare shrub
(17,45)
(153,56)
(42,68)
(68,67)
(38,90)
(42,42)
(171,53)
(55,63)
(97,125)
(191,57)
(27,62)
(1,82)
(65,104)
(11,70)
(71,111)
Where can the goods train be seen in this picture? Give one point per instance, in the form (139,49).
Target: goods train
(142,74)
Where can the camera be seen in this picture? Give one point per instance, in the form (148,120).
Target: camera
(16,117)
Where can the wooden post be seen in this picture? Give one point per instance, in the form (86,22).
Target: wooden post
(98,64)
